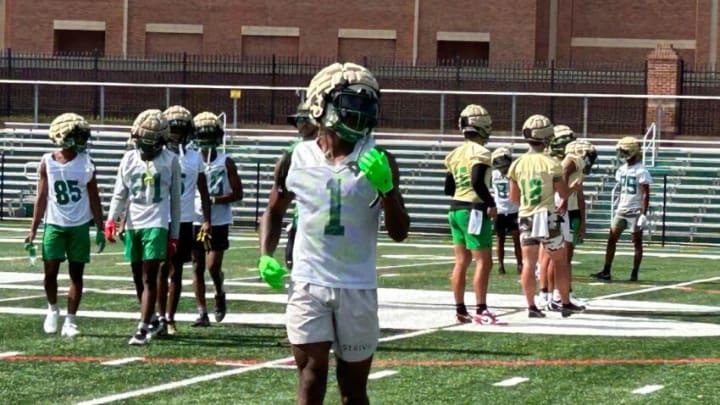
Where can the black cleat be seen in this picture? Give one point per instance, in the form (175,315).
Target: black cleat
(602,276)
(570,308)
(501,270)
(634,276)
(202,321)
(555,306)
(534,312)
(220,307)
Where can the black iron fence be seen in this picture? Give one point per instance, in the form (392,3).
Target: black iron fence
(699,117)
(255,107)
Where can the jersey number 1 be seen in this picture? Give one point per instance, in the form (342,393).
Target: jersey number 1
(333,227)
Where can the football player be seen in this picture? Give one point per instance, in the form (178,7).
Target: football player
(562,135)
(147,189)
(472,211)
(192,166)
(67,200)
(307,131)
(507,211)
(225,187)
(631,213)
(534,179)
(335,181)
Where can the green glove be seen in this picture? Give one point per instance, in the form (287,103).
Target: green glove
(377,170)
(100,240)
(271,271)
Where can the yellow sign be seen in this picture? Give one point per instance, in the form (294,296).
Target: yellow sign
(235,93)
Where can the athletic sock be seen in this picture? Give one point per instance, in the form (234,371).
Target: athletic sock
(606,269)
(69,319)
(53,308)
(481,308)
(461,309)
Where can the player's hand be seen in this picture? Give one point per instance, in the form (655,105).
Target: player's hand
(100,240)
(376,167)
(30,237)
(562,207)
(172,247)
(271,271)
(492,212)
(203,236)
(642,221)
(110,230)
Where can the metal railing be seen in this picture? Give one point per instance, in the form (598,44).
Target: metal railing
(515,96)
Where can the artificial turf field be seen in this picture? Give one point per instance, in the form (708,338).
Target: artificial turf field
(654,341)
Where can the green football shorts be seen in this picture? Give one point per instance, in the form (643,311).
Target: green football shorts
(458,220)
(72,242)
(146,244)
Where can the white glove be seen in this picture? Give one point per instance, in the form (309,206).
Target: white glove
(642,221)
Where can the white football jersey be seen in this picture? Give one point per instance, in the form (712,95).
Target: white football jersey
(191,165)
(218,184)
(577,175)
(67,201)
(501,189)
(147,186)
(630,179)
(337,229)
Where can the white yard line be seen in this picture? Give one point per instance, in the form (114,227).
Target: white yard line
(183,383)
(381,374)
(648,389)
(656,288)
(27,297)
(9,354)
(120,362)
(511,382)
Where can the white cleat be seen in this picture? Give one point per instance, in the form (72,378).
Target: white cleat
(577,301)
(51,322)
(69,330)
(140,338)
(542,300)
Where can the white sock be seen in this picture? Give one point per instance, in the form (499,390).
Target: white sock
(69,319)
(556,295)
(143,326)
(52,307)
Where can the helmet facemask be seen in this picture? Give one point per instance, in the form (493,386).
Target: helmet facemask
(558,144)
(351,112)
(589,158)
(180,131)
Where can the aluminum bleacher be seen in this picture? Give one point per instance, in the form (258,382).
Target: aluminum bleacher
(688,174)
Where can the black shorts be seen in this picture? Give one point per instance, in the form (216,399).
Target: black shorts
(506,223)
(219,240)
(185,242)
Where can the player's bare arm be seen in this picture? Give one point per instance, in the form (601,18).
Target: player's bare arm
(95,205)
(560,186)
(397,220)
(236,189)
(645,190)
(278,203)
(204,202)
(514,192)
(40,202)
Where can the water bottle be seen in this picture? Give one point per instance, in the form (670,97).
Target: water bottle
(32,252)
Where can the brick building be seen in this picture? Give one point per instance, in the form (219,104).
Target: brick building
(422,32)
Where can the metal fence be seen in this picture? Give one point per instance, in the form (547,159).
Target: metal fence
(699,117)
(261,106)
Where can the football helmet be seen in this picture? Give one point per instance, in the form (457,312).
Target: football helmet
(475,119)
(627,148)
(538,129)
(180,121)
(149,133)
(562,135)
(584,150)
(209,131)
(501,158)
(70,131)
(344,98)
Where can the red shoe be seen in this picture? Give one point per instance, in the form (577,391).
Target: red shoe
(487,318)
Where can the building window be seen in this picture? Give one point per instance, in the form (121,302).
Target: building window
(75,36)
(465,46)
